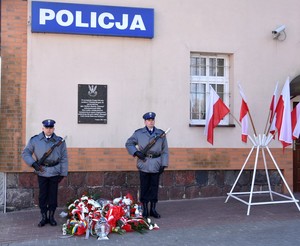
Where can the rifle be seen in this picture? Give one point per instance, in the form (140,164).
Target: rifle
(153,141)
(49,151)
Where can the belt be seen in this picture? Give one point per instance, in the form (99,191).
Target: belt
(51,164)
(153,155)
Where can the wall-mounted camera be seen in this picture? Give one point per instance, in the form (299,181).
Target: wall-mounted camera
(278,31)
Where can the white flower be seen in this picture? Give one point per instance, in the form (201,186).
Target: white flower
(127,201)
(71,205)
(117,200)
(83,198)
(63,214)
(94,203)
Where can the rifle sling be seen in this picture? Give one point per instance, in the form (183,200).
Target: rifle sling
(52,164)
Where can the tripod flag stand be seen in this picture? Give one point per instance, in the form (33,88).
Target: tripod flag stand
(260,143)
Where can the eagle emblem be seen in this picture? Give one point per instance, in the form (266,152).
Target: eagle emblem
(92,90)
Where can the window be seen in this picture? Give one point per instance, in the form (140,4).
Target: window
(207,70)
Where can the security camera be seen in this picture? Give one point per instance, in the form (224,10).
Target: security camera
(278,30)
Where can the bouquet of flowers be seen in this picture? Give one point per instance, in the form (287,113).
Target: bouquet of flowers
(86,216)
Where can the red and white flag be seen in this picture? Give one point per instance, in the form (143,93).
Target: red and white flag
(283,117)
(244,116)
(215,112)
(272,110)
(296,121)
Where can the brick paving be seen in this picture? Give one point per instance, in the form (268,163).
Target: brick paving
(205,221)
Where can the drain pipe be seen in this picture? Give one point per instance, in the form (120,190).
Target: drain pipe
(4,184)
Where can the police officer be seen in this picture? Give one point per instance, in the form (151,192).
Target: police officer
(150,164)
(51,171)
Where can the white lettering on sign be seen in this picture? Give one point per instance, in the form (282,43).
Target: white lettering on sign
(101,20)
(105,20)
(45,15)
(137,23)
(69,18)
(79,20)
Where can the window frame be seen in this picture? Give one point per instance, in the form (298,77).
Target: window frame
(206,80)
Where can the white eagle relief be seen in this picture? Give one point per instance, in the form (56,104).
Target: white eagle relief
(92,90)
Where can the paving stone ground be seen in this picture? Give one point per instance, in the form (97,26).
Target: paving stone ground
(205,221)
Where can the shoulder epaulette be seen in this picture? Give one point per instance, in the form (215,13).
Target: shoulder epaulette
(33,136)
(139,129)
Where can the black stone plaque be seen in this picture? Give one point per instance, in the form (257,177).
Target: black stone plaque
(92,104)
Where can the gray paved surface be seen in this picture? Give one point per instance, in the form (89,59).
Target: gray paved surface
(207,221)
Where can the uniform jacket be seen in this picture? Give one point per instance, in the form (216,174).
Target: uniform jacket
(36,148)
(139,140)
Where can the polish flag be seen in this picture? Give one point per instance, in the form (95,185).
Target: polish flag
(272,110)
(216,111)
(244,116)
(283,118)
(296,121)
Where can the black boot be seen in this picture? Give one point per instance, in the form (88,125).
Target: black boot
(47,218)
(153,210)
(145,210)
(51,218)
(43,220)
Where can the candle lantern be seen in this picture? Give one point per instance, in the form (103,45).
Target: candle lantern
(102,229)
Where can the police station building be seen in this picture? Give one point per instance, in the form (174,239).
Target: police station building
(96,67)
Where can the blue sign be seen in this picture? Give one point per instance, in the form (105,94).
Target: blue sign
(54,17)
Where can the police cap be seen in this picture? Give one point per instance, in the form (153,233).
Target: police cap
(48,123)
(149,115)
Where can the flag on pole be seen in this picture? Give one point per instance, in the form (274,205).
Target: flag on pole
(215,112)
(272,110)
(283,117)
(244,116)
(296,121)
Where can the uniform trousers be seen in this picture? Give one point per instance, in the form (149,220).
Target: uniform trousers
(149,187)
(48,193)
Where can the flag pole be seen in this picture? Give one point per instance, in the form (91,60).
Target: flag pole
(272,115)
(235,119)
(248,110)
(271,122)
(268,119)
(240,123)
(252,123)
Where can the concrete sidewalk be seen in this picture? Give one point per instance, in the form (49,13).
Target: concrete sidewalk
(206,221)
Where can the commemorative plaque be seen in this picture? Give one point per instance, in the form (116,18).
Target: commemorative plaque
(92,104)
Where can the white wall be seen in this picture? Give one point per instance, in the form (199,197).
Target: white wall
(153,74)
